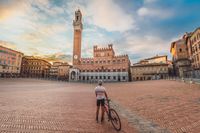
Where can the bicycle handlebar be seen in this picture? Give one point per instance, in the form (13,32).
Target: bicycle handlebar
(108,100)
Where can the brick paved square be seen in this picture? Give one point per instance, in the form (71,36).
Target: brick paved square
(31,105)
(172,105)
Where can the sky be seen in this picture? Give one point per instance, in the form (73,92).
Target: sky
(139,28)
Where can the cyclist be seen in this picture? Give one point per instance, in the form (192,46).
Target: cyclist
(101,94)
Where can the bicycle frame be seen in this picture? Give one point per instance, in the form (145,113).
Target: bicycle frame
(107,108)
(114,120)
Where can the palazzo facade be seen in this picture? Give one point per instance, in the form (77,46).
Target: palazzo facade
(104,65)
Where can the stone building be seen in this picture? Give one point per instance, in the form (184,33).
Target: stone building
(53,74)
(180,56)
(150,69)
(194,48)
(193,45)
(104,65)
(35,67)
(10,62)
(63,71)
(60,71)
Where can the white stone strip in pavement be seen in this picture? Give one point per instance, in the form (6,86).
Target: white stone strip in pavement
(139,123)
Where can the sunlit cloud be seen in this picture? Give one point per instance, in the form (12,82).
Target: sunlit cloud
(138,28)
(151,12)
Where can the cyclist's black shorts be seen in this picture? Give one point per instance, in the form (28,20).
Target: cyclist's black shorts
(100,102)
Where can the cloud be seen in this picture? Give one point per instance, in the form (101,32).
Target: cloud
(58,57)
(106,14)
(8,44)
(152,12)
(149,1)
(110,16)
(145,46)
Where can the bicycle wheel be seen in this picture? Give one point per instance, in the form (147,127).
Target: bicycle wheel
(115,120)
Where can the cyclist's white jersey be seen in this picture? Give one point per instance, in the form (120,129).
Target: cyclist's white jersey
(100,91)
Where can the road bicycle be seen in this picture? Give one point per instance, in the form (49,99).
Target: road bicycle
(112,115)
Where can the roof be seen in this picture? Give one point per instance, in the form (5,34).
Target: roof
(34,58)
(195,30)
(157,56)
(11,49)
(150,64)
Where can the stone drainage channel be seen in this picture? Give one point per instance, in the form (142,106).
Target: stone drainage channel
(140,124)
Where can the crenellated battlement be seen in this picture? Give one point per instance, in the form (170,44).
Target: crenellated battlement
(97,49)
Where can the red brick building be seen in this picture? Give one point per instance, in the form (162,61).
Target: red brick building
(104,65)
(10,62)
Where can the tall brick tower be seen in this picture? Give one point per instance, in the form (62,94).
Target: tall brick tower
(78,26)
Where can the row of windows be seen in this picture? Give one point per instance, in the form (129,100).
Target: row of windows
(196,38)
(99,54)
(149,77)
(4,62)
(7,57)
(150,68)
(36,68)
(32,71)
(35,63)
(196,58)
(103,61)
(102,77)
(105,70)
(6,52)
(12,68)
(195,48)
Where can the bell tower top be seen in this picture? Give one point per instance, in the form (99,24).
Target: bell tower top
(77,22)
